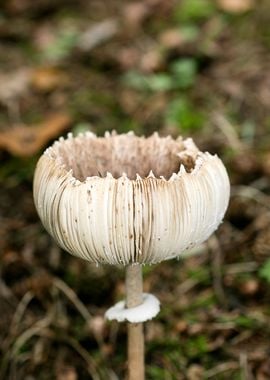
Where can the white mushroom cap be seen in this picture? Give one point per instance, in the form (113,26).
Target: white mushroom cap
(123,199)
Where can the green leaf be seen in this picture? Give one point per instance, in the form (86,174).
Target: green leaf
(136,80)
(160,82)
(190,32)
(155,82)
(264,271)
(197,346)
(184,116)
(195,10)
(184,72)
(62,46)
(81,128)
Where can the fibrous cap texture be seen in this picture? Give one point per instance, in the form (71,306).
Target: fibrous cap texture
(122,199)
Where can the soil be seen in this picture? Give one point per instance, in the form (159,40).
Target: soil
(195,68)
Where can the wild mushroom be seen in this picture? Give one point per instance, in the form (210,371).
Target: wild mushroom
(128,200)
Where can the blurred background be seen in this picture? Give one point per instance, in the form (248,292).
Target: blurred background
(197,68)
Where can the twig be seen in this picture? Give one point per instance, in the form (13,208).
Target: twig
(241,337)
(229,131)
(7,294)
(223,326)
(223,367)
(260,183)
(97,34)
(71,295)
(91,366)
(36,329)
(243,360)
(251,193)
(250,266)
(217,263)
(29,333)
(19,312)
(186,286)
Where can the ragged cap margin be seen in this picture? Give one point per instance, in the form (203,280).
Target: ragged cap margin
(121,220)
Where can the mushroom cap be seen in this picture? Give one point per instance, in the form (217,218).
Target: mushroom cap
(123,199)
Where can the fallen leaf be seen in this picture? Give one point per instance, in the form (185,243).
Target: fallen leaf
(24,141)
(97,325)
(48,78)
(195,372)
(266,163)
(181,326)
(97,34)
(236,6)
(249,287)
(67,373)
(171,38)
(151,61)
(263,372)
(135,13)
(128,57)
(14,85)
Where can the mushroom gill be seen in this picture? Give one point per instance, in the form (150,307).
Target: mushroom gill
(89,156)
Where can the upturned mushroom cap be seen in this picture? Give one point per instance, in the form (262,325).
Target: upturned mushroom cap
(123,199)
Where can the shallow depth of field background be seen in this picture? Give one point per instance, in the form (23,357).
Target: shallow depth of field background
(198,68)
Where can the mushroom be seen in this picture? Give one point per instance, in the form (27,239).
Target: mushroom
(128,200)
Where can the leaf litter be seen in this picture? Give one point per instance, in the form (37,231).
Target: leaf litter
(215,304)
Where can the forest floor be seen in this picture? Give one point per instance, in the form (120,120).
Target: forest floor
(198,68)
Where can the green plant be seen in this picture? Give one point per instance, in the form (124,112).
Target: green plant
(195,10)
(181,75)
(181,113)
(184,72)
(264,271)
(62,45)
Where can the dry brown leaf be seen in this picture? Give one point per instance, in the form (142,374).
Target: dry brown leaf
(97,34)
(24,141)
(266,163)
(151,61)
(14,84)
(135,13)
(263,372)
(128,57)
(67,373)
(195,372)
(236,6)
(249,287)
(97,325)
(171,38)
(48,78)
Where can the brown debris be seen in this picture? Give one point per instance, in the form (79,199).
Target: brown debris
(97,34)
(233,80)
(263,372)
(250,287)
(14,84)
(135,13)
(151,61)
(171,38)
(24,141)
(66,373)
(195,372)
(47,79)
(236,6)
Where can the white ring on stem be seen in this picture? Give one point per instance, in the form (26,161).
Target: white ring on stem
(141,313)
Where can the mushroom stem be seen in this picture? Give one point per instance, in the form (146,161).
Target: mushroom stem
(134,297)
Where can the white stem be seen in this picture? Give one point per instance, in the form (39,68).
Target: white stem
(134,297)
